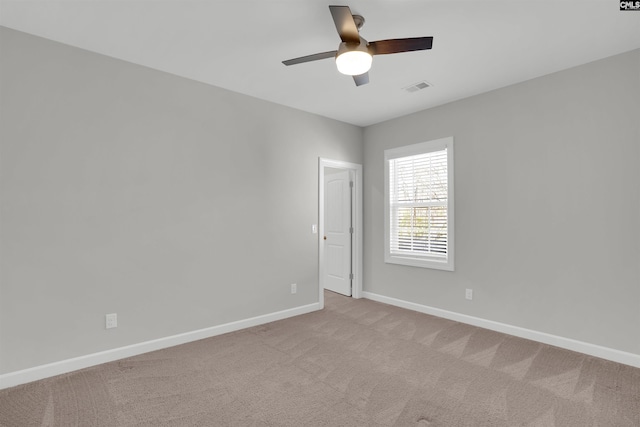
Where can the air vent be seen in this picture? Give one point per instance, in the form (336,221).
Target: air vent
(417,86)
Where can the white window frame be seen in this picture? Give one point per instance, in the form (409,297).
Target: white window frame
(417,260)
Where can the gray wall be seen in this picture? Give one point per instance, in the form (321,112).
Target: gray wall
(175,204)
(182,206)
(547,182)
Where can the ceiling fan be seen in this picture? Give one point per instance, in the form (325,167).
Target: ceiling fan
(355,55)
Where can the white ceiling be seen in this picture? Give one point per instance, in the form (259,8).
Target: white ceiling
(239,44)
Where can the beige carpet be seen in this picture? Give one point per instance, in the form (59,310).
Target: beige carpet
(356,363)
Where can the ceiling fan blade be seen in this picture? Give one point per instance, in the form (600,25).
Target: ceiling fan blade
(309,58)
(362,79)
(383,47)
(345,24)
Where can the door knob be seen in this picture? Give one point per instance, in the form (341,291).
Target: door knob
(325,237)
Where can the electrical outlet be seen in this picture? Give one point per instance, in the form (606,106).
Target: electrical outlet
(111,320)
(294,288)
(468,294)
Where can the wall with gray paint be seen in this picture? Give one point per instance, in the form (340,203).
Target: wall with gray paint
(177,205)
(547,183)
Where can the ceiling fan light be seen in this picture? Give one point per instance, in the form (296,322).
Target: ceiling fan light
(353,61)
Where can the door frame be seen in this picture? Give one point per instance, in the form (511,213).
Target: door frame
(356,221)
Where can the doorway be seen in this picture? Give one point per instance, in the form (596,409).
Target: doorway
(340,227)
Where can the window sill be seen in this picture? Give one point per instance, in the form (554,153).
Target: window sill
(432,263)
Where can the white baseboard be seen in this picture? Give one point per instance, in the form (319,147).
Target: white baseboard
(62,367)
(566,343)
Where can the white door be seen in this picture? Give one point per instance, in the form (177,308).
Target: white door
(337,231)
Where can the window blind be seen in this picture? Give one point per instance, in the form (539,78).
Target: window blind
(418,201)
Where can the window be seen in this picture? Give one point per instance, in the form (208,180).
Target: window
(419,204)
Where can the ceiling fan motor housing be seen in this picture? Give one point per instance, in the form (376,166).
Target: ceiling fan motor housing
(359,21)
